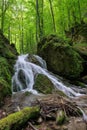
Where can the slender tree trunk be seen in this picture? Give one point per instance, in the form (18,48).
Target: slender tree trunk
(2,16)
(4,7)
(39,19)
(69,20)
(15,39)
(22,36)
(52,13)
(9,32)
(79,10)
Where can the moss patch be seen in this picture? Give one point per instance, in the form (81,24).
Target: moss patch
(61,58)
(43,84)
(14,121)
(8,55)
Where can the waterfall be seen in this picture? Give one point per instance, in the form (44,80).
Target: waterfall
(25,72)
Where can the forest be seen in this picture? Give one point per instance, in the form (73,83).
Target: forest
(25,22)
(43,64)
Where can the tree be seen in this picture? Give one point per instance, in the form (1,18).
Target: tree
(4,7)
(52,13)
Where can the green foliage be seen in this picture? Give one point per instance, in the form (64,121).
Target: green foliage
(7,59)
(61,117)
(19,19)
(5,89)
(4,69)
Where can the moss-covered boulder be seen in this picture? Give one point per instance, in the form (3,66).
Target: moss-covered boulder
(60,57)
(43,84)
(8,55)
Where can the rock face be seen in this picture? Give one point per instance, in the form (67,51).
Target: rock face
(61,58)
(43,84)
(7,59)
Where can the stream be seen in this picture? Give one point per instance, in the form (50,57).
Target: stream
(24,83)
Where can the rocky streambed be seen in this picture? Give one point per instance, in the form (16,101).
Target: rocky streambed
(74,121)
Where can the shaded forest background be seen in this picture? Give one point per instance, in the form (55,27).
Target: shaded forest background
(25,22)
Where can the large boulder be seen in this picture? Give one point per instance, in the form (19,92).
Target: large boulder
(43,84)
(61,58)
(8,55)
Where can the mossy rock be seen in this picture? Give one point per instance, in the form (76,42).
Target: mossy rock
(5,72)
(5,90)
(62,59)
(8,56)
(43,84)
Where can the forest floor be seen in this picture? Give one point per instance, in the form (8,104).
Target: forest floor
(50,105)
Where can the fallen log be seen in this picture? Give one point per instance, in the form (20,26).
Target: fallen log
(18,119)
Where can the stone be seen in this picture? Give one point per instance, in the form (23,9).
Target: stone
(61,58)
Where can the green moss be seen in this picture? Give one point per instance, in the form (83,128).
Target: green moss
(27,93)
(5,89)
(62,59)
(61,117)
(7,60)
(78,83)
(43,84)
(14,121)
(56,91)
(5,69)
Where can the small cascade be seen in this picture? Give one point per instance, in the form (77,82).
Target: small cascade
(25,72)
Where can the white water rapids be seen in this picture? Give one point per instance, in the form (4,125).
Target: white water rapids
(24,77)
(28,70)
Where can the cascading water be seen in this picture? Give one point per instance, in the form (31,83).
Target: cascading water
(26,71)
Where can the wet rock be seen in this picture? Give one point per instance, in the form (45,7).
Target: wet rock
(36,60)
(43,84)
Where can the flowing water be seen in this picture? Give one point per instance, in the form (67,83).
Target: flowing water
(25,72)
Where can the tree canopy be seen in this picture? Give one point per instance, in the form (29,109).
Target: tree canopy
(25,22)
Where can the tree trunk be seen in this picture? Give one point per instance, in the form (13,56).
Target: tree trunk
(9,33)
(22,36)
(16,120)
(79,10)
(39,20)
(2,16)
(4,7)
(69,20)
(52,13)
